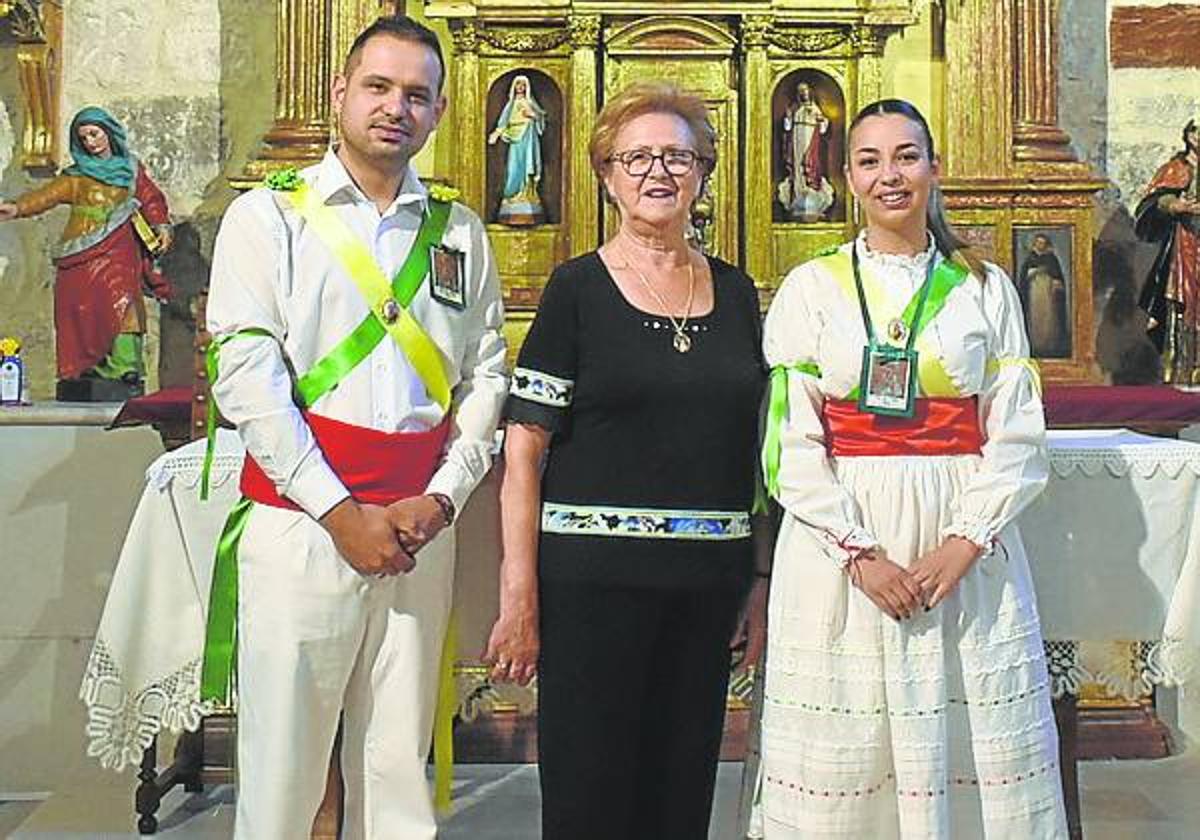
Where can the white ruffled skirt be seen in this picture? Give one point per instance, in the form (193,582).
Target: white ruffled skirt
(935,727)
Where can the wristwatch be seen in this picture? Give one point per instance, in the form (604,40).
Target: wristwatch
(446,505)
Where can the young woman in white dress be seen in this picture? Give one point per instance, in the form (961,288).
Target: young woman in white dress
(906,688)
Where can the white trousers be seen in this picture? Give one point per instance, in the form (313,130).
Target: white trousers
(317,640)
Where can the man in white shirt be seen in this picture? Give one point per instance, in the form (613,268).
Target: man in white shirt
(345,564)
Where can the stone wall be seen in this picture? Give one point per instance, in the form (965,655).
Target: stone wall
(193,83)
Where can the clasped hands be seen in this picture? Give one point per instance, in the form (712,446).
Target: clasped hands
(901,592)
(380,540)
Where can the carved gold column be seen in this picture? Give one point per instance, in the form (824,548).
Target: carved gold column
(583,208)
(37,28)
(868,42)
(300,134)
(1036,135)
(756,33)
(469,108)
(979,69)
(349,18)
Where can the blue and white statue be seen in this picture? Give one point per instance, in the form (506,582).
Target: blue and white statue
(521,125)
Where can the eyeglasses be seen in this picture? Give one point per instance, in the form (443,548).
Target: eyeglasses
(639,162)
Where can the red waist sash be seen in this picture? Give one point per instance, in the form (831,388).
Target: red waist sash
(377,468)
(939,427)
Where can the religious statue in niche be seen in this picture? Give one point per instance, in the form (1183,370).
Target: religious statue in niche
(520,127)
(105,260)
(805,191)
(1169,216)
(1043,287)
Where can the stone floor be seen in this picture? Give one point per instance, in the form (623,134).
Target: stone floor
(1126,800)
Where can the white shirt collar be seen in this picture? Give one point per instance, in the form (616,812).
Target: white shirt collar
(905,262)
(331,179)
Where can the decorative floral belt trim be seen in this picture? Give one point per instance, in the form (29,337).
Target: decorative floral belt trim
(542,387)
(650,523)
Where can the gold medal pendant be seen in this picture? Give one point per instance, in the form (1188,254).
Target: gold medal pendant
(897,331)
(682,342)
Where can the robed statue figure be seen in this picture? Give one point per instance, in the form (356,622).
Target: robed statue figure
(104,261)
(805,191)
(1169,215)
(521,125)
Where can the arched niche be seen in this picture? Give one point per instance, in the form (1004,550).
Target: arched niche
(828,157)
(549,97)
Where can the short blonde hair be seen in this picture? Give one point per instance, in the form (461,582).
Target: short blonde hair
(652,98)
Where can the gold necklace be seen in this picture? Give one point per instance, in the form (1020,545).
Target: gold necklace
(682,341)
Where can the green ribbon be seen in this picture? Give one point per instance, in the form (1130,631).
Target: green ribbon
(220,652)
(777,413)
(947,277)
(211,360)
(350,351)
(220,638)
(760,505)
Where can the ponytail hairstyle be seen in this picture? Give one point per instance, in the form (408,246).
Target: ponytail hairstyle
(951,246)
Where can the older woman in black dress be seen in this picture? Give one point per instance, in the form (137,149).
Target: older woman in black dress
(627,561)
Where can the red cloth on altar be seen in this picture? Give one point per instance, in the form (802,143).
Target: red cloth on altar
(1116,406)
(165,406)
(96,289)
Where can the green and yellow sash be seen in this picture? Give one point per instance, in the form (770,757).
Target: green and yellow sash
(932,377)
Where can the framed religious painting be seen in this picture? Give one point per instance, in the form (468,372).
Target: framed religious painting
(1047,253)
(1043,272)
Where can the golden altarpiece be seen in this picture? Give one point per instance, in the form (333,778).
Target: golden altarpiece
(985,71)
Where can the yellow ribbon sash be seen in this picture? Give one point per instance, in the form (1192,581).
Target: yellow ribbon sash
(360,266)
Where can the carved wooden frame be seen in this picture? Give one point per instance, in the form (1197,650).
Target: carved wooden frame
(36,25)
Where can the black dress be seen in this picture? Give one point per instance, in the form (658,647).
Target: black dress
(645,552)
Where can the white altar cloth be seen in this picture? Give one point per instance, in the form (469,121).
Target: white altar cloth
(144,671)
(1114,545)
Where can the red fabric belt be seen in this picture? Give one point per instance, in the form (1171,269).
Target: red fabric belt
(377,468)
(939,427)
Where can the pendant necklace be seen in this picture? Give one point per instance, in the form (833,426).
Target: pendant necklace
(897,331)
(682,341)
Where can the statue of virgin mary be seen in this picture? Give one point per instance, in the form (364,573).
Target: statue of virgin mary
(521,125)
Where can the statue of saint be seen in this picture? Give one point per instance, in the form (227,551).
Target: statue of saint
(104,261)
(805,192)
(520,126)
(1169,216)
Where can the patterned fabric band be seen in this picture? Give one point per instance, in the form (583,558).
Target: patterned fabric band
(651,523)
(541,387)
(939,427)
